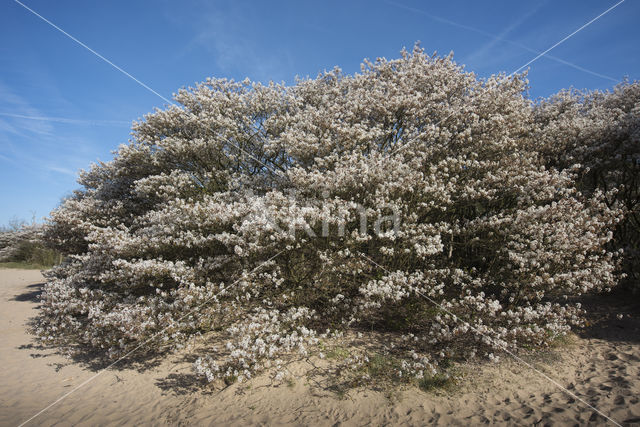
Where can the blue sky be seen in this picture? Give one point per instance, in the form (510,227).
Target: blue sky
(61,107)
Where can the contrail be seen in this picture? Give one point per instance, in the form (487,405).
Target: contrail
(571,35)
(92,51)
(511,42)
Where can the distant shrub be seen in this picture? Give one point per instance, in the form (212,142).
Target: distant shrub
(23,243)
(242,211)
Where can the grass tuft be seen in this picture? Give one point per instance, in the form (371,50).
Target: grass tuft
(437,381)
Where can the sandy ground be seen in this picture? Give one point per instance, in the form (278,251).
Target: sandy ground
(602,367)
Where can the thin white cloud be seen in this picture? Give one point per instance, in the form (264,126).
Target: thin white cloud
(68,120)
(480,53)
(16,103)
(221,31)
(62,170)
(7,159)
(498,38)
(32,141)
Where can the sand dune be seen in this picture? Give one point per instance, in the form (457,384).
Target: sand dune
(602,367)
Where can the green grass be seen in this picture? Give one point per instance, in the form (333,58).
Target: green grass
(337,353)
(438,381)
(382,366)
(24,265)
(228,380)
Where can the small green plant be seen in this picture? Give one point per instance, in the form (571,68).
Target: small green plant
(433,382)
(230,379)
(337,352)
(341,393)
(382,366)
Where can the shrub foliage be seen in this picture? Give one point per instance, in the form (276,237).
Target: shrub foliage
(411,198)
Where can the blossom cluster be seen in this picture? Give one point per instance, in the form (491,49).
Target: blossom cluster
(240,211)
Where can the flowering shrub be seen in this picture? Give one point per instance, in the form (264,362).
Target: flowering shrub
(280,216)
(600,131)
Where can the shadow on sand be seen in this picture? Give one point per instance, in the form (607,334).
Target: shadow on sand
(32,295)
(614,317)
(183,383)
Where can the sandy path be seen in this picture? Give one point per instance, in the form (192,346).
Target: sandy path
(604,372)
